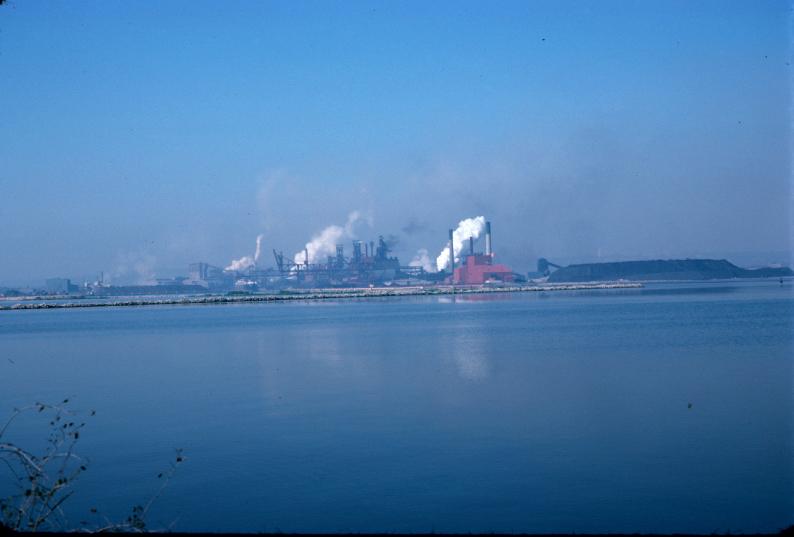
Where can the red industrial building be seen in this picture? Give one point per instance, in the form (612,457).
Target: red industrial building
(478,268)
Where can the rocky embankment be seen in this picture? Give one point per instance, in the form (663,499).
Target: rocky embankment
(317,294)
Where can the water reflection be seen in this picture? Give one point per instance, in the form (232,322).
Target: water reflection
(470,353)
(484,297)
(463,414)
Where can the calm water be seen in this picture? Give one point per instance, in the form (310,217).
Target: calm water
(554,412)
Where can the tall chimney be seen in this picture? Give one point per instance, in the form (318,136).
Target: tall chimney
(306,253)
(488,250)
(471,245)
(451,256)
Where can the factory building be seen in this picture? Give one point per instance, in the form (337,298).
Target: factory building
(208,276)
(60,286)
(370,264)
(479,268)
(204,271)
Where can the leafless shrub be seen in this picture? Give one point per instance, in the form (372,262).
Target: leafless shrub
(46,480)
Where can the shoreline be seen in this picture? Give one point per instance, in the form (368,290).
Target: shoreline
(321,294)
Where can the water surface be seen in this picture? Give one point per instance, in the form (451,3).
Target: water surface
(541,412)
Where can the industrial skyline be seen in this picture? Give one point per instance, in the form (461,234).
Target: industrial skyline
(467,259)
(608,132)
(371,263)
(397,267)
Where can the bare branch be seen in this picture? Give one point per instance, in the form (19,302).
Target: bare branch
(46,480)
(22,454)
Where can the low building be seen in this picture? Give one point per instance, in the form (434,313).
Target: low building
(209,277)
(60,286)
(478,269)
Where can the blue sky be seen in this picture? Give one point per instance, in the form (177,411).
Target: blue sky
(137,137)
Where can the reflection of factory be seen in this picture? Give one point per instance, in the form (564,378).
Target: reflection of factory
(479,268)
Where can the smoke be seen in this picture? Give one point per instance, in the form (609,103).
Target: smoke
(468,228)
(258,248)
(422,259)
(247,261)
(414,226)
(324,243)
(391,241)
(135,268)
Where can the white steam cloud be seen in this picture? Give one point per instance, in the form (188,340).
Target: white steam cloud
(422,259)
(247,261)
(324,243)
(467,229)
(134,267)
(258,248)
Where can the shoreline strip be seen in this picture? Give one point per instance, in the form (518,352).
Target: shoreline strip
(322,294)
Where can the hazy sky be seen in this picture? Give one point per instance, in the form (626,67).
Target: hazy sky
(136,137)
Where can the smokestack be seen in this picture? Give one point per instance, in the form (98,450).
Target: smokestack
(471,245)
(470,227)
(451,255)
(306,253)
(488,250)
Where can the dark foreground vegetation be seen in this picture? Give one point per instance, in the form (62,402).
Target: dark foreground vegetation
(44,480)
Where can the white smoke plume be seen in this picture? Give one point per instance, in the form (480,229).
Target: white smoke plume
(258,248)
(247,261)
(324,243)
(135,268)
(468,228)
(422,259)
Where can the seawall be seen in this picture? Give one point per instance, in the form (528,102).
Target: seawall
(320,294)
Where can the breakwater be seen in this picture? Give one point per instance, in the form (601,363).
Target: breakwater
(318,294)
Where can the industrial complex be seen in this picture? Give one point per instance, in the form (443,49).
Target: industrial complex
(467,260)
(479,268)
(369,264)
